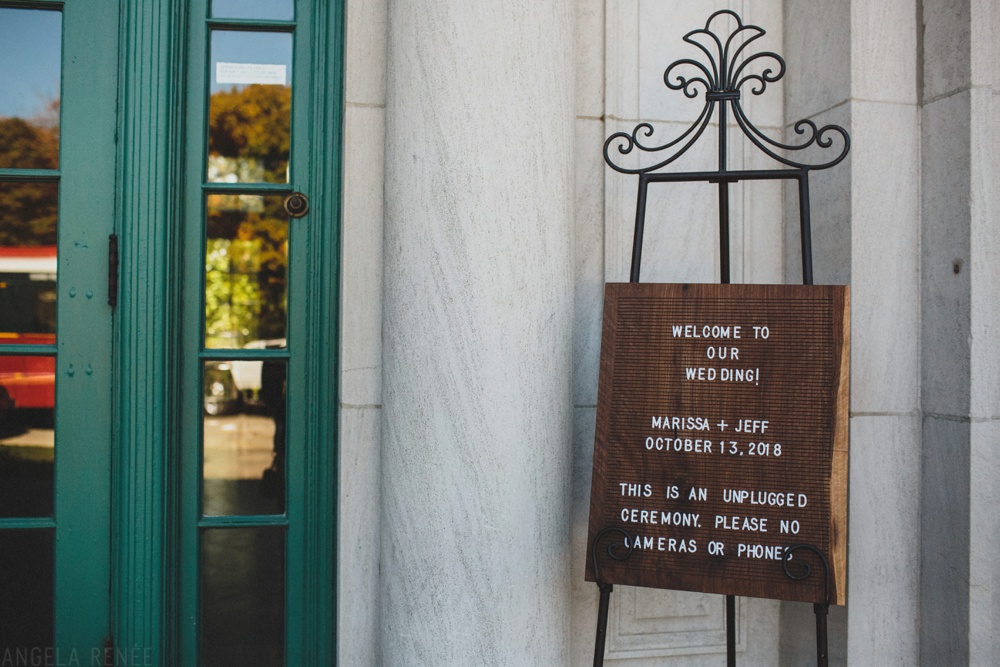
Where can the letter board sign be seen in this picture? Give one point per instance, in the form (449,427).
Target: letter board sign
(722,437)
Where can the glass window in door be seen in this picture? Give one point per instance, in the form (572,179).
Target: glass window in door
(244,236)
(30,55)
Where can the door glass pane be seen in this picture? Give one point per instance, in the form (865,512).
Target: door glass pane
(243,467)
(246,269)
(26,589)
(30,54)
(274,10)
(250,109)
(243,597)
(27,452)
(27,382)
(27,283)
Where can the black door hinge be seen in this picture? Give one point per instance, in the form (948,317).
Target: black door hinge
(113,270)
(109,646)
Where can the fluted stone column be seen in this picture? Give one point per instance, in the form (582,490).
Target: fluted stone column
(854,63)
(960,527)
(916,82)
(477,405)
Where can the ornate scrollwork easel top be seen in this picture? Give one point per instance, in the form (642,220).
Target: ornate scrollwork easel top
(722,77)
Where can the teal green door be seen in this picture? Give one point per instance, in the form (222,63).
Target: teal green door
(258,346)
(168,463)
(57,166)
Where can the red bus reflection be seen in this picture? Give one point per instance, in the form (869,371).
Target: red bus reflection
(28,317)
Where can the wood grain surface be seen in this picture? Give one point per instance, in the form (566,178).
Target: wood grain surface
(722,438)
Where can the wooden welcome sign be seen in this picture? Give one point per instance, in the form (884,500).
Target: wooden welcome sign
(721,439)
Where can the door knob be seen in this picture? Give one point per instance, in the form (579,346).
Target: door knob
(296,205)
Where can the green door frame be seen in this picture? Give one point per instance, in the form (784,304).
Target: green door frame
(155,374)
(85,320)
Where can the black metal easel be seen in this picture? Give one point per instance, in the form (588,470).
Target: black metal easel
(722,79)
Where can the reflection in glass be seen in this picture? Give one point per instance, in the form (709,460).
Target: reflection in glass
(27,451)
(27,383)
(243,597)
(26,582)
(30,53)
(27,293)
(246,269)
(29,212)
(243,461)
(273,10)
(250,109)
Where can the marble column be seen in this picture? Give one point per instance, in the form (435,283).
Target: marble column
(854,63)
(883,597)
(961,332)
(477,334)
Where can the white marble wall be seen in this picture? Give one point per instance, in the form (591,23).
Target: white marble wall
(918,193)
(855,65)
(884,533)
(477,346)
(589,295)
(984,478)
(361,334)
(961,366)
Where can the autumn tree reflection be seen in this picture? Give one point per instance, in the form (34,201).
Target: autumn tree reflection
(246,253)
(29,209)
(250,130)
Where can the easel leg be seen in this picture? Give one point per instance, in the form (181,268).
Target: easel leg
(821,644)
(731,630)
(602,624)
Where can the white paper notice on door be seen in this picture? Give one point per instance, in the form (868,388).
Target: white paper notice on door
(250,73)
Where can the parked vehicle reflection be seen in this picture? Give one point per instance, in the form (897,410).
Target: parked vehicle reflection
(222,397)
